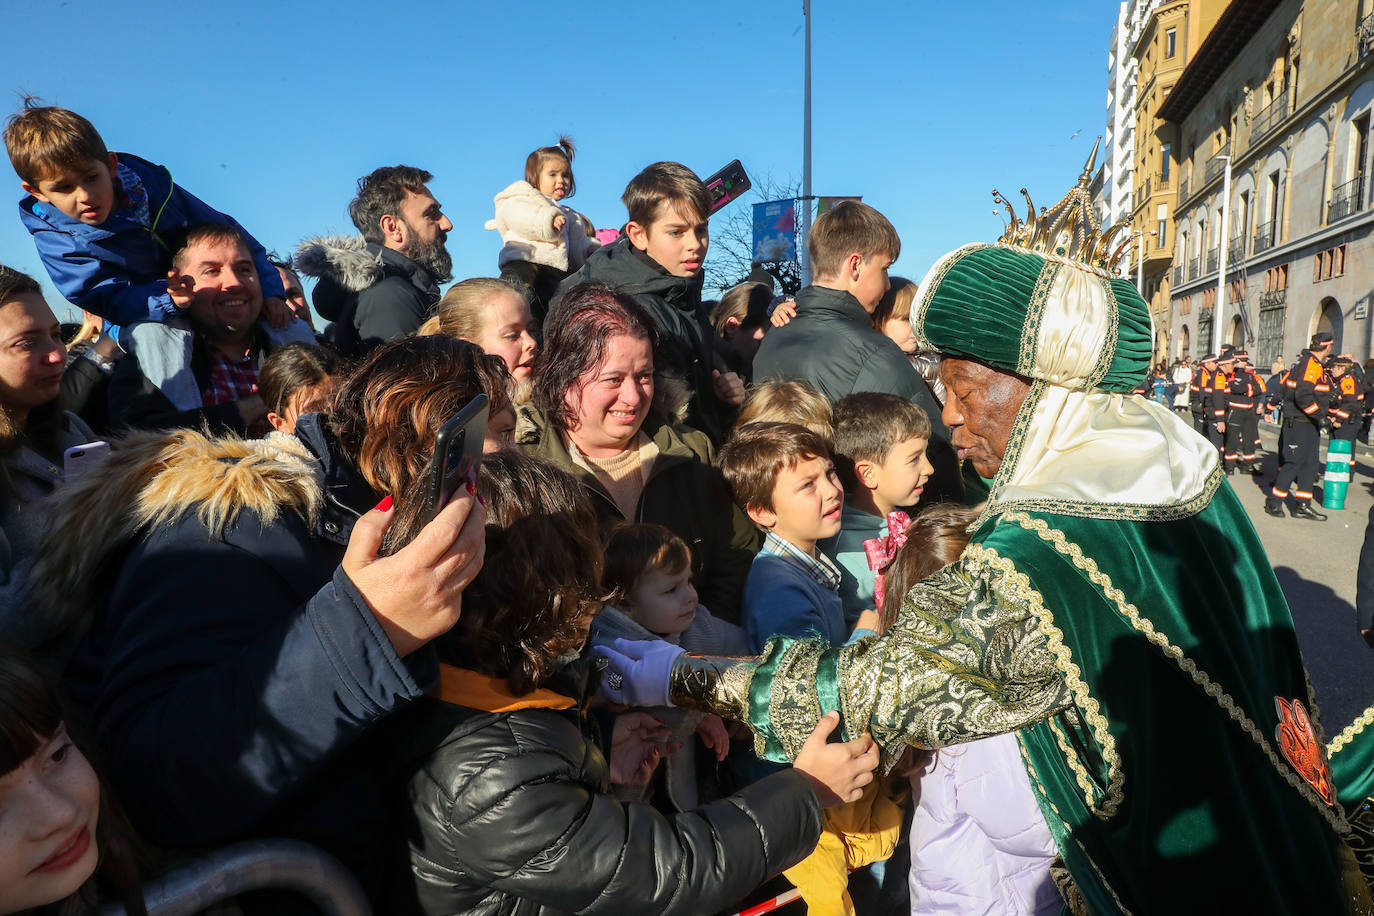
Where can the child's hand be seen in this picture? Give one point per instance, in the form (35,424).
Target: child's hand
(711,731)
(729,387)
(180,287)
(277,312)
(870,620)
(638,742)
(784,313)
(559,221)
(838,772)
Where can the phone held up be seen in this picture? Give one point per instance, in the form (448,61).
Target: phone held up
(79,459)
(457,455)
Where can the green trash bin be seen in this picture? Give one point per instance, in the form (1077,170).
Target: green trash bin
(1339,455)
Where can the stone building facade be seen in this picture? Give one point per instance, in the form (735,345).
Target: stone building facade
(1283,92)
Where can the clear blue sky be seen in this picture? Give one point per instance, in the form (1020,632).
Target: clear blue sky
(271,111)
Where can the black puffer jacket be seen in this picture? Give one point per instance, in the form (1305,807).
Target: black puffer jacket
(372,294)
(512,816)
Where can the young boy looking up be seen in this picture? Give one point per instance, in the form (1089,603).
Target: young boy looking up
(880,445)
(105,224)
(831,342)
(659,263)
(781,475)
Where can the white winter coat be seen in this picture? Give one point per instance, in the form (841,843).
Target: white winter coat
(524,217)
(979,844)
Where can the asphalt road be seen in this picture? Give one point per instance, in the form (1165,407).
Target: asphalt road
(1315,563)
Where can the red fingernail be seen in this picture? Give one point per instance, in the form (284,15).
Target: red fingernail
(482,499)
(384,505)
(472,487)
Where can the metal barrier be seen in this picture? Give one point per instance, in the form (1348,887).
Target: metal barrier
(255,865)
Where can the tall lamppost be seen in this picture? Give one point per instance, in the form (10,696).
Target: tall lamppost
(1225,243)
(804,254)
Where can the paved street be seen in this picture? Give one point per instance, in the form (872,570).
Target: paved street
(1315,563)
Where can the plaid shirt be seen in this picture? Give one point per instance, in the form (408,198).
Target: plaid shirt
(230,379)
(820,567)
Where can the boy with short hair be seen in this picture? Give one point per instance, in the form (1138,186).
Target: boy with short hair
(880,446)
(658,261)
(105,224)
(781,475)
(831,342)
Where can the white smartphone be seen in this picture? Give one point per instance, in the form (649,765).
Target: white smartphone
(79,459)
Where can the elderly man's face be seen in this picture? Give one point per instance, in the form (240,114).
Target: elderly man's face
(980,407)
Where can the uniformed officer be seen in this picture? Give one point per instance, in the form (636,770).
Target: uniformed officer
(1250,437)
(1347,399)
(1200,391)
(1306,397)
(1217,406)
(1241,423)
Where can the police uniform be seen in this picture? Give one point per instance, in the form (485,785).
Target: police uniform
(1347,404)
(1242,425)
(1218,399)
(1306,399)
(1199,391)
(1249,433)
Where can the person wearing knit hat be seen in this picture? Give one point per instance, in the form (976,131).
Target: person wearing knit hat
(1114,609)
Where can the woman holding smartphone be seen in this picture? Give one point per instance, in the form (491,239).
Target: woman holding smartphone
(34,433)
(248,643)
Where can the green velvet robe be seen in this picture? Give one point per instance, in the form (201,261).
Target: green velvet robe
(1352,769)
(1139,662)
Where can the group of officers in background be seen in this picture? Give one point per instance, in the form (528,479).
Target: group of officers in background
(1227,398)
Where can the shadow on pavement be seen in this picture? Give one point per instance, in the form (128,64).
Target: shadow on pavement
(1324,618)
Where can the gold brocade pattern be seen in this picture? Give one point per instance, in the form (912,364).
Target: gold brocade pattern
(794,705)
(1035,778)
(1035,316)
(1144,625)
(1102,804)
(1361,840)
(716,685)
(964,660)
(1351,731)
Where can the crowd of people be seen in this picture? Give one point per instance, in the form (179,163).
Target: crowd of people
(858,587)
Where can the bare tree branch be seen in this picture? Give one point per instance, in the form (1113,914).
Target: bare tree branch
(732,240)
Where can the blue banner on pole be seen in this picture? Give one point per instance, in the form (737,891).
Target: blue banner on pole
(775,231)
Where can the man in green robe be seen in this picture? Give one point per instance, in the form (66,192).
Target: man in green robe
(1114,609)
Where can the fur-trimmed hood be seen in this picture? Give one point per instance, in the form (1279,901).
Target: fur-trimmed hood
(153,478)
(348,260)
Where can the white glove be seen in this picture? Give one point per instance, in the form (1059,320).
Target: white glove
(637,671)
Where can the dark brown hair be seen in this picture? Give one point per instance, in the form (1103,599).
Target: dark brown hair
(634,549)
(540,584)
(209,232)
(380,193)
(44,139)
(850,227)
(869,424)
(747,303)
(386,415)
(935,538)
(42,429)
(31,715)
(758,452)
(295,366)
(564,150)
(670,183)
(576,332)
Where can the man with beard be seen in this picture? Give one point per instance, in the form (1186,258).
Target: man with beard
(386,283)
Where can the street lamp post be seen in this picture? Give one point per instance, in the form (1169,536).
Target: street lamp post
(1225,243)
(804,254)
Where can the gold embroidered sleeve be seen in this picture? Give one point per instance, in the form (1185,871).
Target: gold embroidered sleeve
(965,659)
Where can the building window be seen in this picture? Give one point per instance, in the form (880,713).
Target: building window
(1161,225)
(1166,152)
(1170,42)
(1360,153)
(1276,278)
(1185,305)
(1329,263)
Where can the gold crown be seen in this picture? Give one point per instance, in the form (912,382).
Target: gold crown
(1069,228)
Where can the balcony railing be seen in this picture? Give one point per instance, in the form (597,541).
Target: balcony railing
(1192,269)
(1273,298)
(1364,32)
(1182,189)
(1217,163)
(1346,199)
(1142,194)
(1269,117)
(1264,238)
(1212,258)
(1178,275)
(1162,179)
(1236,250)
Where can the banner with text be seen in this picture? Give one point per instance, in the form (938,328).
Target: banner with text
(775,231)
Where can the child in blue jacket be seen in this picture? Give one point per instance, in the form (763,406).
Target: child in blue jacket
(105,225)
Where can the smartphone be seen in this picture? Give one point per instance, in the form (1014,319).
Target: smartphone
(457,454)
(727,184)
(79,459)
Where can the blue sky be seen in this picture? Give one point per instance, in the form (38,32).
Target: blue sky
(271,111)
